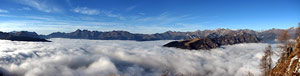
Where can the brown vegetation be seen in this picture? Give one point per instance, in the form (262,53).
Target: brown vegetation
(284,37)
(286,45)
(250,74)
(288,64)
(266,61)
(297,33)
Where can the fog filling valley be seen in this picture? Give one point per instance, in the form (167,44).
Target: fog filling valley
(75,57)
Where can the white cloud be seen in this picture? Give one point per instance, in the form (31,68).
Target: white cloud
(42,5)
(24,9)
(87,11)
(74,57)
(110,14)
(3,11)
(163,19)
(130,8)
(139,24)
(45,25)
(142,13)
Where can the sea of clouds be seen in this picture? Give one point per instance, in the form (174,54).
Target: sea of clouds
(75,57)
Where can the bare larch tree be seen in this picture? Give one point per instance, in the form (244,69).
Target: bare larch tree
(297,33)
(284,37)
(266,61)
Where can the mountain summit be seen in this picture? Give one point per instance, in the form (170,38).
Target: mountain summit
(22,36)
(214,41)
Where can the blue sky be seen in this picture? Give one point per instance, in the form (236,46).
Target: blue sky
(146,16)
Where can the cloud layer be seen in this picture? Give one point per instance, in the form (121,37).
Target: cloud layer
(87,11)
(41,5)
(72,57)
(3,11)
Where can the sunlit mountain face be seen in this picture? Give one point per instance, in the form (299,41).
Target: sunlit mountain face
(149,38)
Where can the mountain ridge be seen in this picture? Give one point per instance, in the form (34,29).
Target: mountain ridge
(266,35)
(22,36)
(214,41)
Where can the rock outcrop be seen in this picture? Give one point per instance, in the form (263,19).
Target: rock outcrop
(214,41)
(289,65)
(22,36)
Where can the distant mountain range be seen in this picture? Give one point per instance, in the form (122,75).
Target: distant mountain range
(267,35)
(22,36)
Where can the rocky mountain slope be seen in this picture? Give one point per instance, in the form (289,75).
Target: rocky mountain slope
(214,41)
(271,34)
(21,36)
(24,34)
(112,35)
(266,36)
(290,65)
